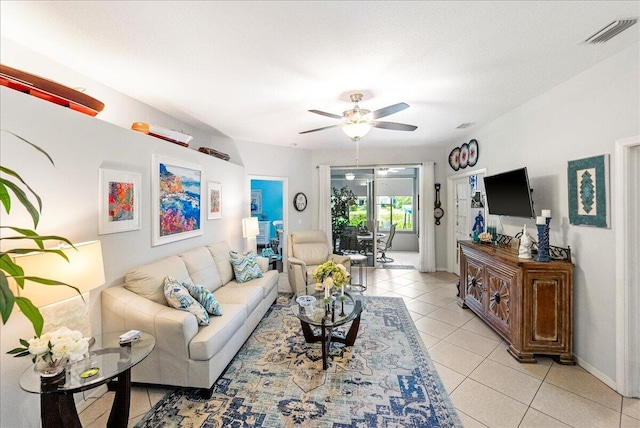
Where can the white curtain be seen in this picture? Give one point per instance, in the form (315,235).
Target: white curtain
(427,240)
(324,200)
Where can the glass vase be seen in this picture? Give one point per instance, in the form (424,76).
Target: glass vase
(50,368)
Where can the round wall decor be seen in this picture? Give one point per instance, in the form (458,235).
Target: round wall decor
(465,155)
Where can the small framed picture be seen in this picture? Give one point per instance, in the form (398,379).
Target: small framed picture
(588,181)
(214,193)
(119,201)
(256,201)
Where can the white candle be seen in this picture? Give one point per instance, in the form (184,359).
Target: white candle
(540,220)
(326,291)
(546,213)
(342,290)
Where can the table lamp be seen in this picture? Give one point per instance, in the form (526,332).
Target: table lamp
(84,270)
(250,230)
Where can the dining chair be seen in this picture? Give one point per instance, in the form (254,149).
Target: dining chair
(385,245)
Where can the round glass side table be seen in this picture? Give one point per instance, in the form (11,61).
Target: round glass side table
(107,360)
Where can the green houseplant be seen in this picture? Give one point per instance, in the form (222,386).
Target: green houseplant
(13,186)
(341,200)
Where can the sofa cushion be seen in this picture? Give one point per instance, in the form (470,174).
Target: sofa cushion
(220,252)
(178,297)
(204,297)
(201,267)
(246,268)
(212,338)
(241,294)
(148,280)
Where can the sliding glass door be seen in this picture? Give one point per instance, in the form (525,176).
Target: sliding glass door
(367,202)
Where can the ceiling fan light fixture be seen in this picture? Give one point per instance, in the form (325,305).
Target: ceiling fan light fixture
(356,130)
(349,176)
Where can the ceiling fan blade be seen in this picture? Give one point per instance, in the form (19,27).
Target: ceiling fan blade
(317,129)
(386,111)
(394,126)
(324,113)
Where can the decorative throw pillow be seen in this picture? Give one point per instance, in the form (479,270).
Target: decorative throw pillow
(204,297)
(178,297)
(236,255)
(246,267)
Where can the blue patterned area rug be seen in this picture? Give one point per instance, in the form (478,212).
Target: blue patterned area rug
(386,379)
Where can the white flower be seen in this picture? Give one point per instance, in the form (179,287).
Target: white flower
(38,345)
(328,282)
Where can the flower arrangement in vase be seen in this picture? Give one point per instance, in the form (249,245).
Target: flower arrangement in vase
(330,275)
(53,350)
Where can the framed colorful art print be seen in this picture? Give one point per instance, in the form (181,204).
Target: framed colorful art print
(176,200)
(214,207)
(588,181)
(118,201)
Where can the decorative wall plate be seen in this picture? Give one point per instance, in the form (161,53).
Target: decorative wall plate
(464,155)
(474,152)
(454,159)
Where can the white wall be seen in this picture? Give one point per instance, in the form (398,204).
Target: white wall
(79,146)
(414,155)
(580,118)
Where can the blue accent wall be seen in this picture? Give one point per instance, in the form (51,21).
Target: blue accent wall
(271,201)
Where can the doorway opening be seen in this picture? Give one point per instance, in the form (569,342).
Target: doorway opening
(268,196)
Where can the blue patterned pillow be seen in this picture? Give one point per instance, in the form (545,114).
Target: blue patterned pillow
(245,267)
(204,297)
(178,297)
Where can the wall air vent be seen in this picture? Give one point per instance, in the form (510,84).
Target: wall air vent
(610,30)
(465,125)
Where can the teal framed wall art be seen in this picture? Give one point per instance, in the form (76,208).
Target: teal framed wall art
(588,181)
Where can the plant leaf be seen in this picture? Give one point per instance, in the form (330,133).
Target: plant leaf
(24,343)
(7,265)
(6,298)
(16,175)
(38,239)
(32,313)
(22,197)
(49,282)
(31,144)
(4,198)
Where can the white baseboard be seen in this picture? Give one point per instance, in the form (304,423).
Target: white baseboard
(597,373)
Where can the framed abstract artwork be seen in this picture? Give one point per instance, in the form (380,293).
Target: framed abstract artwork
(588,181)
(214,196)
(176,200)
(256,201)
(118,201)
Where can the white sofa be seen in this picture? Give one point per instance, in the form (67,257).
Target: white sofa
(187,354)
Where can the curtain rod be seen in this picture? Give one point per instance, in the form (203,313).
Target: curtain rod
(384,165)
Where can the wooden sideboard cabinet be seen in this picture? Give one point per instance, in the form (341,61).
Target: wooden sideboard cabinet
(528,303)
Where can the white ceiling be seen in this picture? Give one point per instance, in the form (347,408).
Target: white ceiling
(251,70)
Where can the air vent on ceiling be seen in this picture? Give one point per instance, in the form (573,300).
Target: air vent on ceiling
(465,125)
(610,30)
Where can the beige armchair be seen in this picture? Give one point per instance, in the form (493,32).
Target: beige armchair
(307,249)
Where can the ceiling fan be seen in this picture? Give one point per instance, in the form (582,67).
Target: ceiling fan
(358,121)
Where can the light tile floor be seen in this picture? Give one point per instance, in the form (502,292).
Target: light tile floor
(487,386)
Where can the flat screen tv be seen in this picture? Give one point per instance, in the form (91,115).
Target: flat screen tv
(509,194)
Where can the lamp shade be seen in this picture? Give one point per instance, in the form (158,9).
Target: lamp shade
(250,227)
(356,130)
(84,270)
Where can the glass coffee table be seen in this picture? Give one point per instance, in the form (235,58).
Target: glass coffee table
(312,311)
(108,360)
